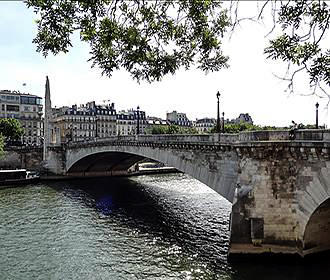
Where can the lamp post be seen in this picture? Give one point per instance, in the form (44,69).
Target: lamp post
(223,122)
(218,115)
(317,115)
(138,118)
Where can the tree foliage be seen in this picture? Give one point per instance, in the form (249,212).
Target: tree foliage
(171,129)
(147,38)
(238,127)
(304,24)
(243,126)
(151,39)
(10,129)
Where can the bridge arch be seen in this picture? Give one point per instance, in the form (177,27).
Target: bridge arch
(313,212)
(317,230)
(218,170)
(104,162)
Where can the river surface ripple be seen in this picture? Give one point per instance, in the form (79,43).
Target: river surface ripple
(147,227)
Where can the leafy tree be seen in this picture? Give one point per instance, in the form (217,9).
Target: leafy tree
(309,126)
(151,39)
(10,129)
(301,28)
(157,129)
(243,126)
(190,130)
(304,24)
(147,38)
(171,129)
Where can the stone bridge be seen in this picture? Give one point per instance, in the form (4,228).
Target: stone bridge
(280,188)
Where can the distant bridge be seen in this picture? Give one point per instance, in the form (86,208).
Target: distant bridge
(280,189)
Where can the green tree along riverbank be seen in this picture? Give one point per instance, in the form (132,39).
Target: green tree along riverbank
(10,130)
(243,126)
(171,129)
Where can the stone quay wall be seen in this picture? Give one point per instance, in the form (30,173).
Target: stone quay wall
(21,157)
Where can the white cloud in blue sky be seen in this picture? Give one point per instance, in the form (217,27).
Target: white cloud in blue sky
(248,86)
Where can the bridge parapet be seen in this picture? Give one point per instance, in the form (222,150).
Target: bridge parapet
(254,138)
(176,138)
(158,140)
(284,135)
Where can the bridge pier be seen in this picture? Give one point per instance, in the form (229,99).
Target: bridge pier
(282,202)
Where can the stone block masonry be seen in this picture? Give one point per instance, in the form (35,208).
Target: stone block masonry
(288,194)
(21,157)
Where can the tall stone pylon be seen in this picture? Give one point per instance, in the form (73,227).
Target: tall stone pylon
(48,114)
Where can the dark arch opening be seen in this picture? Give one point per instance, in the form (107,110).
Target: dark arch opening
(104,162)
(317,231)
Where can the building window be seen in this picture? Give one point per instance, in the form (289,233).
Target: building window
(32,100)
(14,108)
(24,100)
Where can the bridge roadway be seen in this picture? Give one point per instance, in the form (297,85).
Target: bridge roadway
(280,188)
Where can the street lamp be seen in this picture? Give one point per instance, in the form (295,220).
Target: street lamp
(223,122)
(218,115)
(138,118)
(317,115)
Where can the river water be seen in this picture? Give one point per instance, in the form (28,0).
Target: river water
(148,227)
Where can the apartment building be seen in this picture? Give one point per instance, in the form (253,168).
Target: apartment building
(85,122)
(28,110)
(205,125)
(128,122)
(243,117)
(178,119)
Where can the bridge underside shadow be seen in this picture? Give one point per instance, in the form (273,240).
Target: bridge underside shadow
(105,163)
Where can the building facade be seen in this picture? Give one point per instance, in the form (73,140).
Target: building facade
(178,119)
(85,122)
(155,121)
(106,118)
(130,121)
(28,110)
(91,121)
(205,125)
(243,117)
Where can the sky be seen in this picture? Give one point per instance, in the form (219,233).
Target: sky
(248,86)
